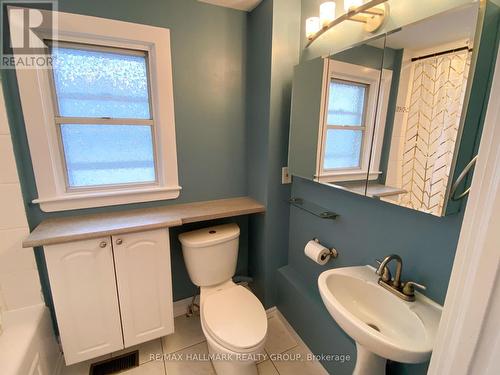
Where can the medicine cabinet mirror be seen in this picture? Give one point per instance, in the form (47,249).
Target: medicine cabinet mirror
(388,118)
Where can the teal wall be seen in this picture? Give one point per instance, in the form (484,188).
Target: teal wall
(209,78)
(232,77)
(365,230)
(259,51)
(273,51)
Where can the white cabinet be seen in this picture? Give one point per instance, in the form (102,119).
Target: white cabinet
(83,285)
(143,279)
(111,293)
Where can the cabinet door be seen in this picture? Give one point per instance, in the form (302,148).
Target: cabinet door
(82,280)
(144,285)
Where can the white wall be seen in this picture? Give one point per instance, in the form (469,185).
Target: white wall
(19,281)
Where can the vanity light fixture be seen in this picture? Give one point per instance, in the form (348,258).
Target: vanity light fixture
(352,4)
(371,13)
(327,13)
(312,27)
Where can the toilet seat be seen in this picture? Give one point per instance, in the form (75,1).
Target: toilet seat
(235,319)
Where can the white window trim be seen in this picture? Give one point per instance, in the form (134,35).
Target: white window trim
(38,110)
(356,73)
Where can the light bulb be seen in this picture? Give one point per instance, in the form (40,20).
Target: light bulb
(352,4)
(312,26)
(327,13)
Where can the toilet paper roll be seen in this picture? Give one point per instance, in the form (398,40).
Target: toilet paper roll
(317,252)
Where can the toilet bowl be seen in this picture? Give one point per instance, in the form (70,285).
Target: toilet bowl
(233,320)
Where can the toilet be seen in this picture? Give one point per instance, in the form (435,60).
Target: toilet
(233,320)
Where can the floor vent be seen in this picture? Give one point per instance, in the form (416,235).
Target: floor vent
(115,364)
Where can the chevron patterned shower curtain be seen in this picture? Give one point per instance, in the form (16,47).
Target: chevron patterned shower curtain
(436,96)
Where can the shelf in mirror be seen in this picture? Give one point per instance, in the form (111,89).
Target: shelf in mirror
(313,208)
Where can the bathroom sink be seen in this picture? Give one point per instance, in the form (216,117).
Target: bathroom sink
(383,325)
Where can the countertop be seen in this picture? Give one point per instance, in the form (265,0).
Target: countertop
(60,230)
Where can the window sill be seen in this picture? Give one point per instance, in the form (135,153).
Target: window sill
(73,201)
(347,176)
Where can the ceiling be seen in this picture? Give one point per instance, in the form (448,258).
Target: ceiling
(246,5)
(454,25)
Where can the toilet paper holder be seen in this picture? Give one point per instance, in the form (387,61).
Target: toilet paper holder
(333,252)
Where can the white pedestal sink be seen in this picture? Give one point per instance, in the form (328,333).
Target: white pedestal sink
(383,325)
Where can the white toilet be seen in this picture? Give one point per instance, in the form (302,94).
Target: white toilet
(232,318)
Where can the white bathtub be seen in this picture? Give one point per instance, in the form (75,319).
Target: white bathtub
(28,345)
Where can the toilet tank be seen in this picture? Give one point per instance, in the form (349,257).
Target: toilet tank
(211,253)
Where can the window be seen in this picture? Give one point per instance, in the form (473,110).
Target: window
(102,106)
(350,101)
(104,137)
(345,122)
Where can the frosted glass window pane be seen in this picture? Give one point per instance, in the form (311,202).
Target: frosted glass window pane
(108,154)
(342,149)
(346,103)
(100,84)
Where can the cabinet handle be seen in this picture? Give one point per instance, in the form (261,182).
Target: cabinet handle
(119,241)
(103,244)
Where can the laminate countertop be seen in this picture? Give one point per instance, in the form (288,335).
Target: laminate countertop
(60,230)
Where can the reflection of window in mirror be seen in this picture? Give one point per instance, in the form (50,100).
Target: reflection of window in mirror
(345,125)
(349,111)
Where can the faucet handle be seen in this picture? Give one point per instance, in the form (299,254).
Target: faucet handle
(409,288)
(385,274)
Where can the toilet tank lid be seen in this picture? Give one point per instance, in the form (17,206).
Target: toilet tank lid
(210,236)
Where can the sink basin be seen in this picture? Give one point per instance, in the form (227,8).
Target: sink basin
(383,325)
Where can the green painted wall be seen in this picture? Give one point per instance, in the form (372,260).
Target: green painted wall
(209,78)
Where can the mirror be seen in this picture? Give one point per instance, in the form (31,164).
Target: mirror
(384,118)
(421,133)
(334,115)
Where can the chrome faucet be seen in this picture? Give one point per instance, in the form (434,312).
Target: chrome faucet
(404,291)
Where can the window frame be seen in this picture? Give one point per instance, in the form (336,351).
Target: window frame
(361,127)
(46,144)
(371,145)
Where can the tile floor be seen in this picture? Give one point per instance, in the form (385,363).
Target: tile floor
(188,342)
